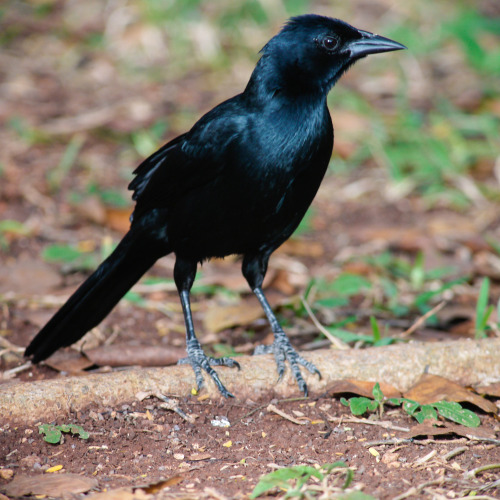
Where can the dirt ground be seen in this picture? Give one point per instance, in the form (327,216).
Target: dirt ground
(74,112)
(140,444)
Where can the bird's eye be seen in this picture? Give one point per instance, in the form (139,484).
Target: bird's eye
(330,42)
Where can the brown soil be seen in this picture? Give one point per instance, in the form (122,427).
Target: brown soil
(139,444)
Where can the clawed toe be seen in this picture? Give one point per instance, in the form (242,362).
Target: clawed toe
(199,360)
(283,351)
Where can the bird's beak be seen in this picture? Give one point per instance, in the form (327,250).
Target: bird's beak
(371,44)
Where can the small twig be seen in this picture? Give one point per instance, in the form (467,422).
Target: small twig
(171,404)
(8,374)
(261,407)
(472,473)
(114,335)
(329,430)
(483,439)
(453,453)
(387,442)
(477,497)
(420,321)
(334,340)
(168,404)
(273,408)
(490,486)
(426,458)
(385,424)
(415,490)
(9,346)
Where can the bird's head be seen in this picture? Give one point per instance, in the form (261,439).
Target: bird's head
(312,52)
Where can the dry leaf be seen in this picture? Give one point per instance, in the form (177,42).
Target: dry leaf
(282,283)
(118,218)
(489,390)
(69,361)
(29,275)
(435,428)
(196,457)
(55,468)
(92,208)
(52,485)
(219,317)
(164,483)
(361,388)
(116,494)
(302,248)
(403,238)
(432,388)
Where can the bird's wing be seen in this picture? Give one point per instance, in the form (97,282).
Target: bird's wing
(188,161)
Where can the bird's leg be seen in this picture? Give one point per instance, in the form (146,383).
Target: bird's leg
(254,270)
(184,274)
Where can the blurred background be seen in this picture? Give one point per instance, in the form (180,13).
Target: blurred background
(406,220)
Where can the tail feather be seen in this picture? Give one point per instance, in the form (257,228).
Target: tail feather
(97,296)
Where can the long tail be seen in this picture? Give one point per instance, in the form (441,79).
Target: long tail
(95,298)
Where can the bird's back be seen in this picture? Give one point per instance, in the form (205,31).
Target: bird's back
(269,172)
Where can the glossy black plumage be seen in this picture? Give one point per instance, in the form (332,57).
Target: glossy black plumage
(239,182)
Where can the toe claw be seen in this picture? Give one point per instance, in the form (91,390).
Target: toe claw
(198,360)
(283,351)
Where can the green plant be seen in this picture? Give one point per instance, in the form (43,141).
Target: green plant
(304,481)
(447,409)
(360,405)
(70,256)
(11,227)
(53,433)
(483,311)
(56,176)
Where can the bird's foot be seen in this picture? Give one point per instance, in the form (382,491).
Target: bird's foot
(283,351)
(198,360)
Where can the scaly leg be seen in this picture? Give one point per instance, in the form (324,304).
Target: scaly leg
(254,270)
(184,274)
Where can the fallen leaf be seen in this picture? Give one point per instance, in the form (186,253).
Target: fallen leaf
(27,274)
(196,457)
(302,248)
(361,388)
(53,485)
(116,494)
(55,468)
(489,390)
(220,317)
(164,483)
(487,264)
(92,208)
(435,428)
(69,361)
(282,283)
(432,388)
(118,219)
(403,238)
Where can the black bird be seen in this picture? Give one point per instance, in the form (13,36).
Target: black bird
(239,182)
